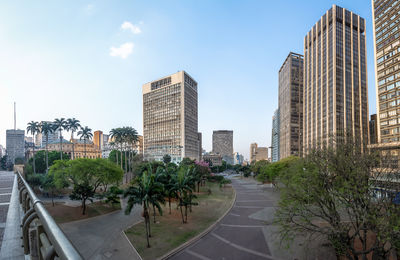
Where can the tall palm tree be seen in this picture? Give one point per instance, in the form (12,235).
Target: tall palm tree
(182,187)
(73,125)
(86,134)
(131,137)
(33,128)
(46,129)
(59,125)
(118,135)
(145,194)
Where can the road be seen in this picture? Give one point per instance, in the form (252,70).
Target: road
(244,233)
(101,237)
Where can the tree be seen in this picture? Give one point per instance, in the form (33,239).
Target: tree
(270,171)
(167,159)
(60,124)
(257,165)
(117,135)
(86,134)
(86,176)
(342,193)
(48,185)
(3,162)
(144,194)
(182,187)
(33,128)
(41,162)
(73,125)
(46,129)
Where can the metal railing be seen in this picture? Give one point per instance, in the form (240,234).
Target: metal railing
(42,237)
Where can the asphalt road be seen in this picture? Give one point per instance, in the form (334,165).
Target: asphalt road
(244,233)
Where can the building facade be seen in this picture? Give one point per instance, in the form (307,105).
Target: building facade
(373,130)
(387,69)
(238,158)
(215,159)
(258,153)
(15,145)
(200,140)
(275,137)
(170,118)
(223,144)
(291,106)
(98,139)
(335,79)
(90,150)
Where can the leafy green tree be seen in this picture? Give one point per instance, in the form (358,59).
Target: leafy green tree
(86,134)
(183,184)
(167,158)
(60,124)
(186,162)
(48,185)
(46,129)
(256,166)
(33,128)
(345,195)
(3,162)
(73,125)
(40,159)
(270,171)
(85,176)
(144,194)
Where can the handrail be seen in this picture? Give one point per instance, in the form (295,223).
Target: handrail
(50,240)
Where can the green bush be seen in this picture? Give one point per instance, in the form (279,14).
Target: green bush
(269,172)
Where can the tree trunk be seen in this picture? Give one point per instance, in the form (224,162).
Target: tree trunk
(154,214)
(147,233)
(183,219)
(169,203)
(186,214)
(121,158)
(73,145)
(34,164)
(83,206)
(198,187)
(126,165)
(116,155)
(47,154)
(60,144)
(52,198)
(84,144)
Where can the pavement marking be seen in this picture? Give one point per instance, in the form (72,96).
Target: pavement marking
(242,226)
(197,255)
(254,200)
(236,215)
(4,203)
(242,248)
(3,194)
(10,188)
(249,207)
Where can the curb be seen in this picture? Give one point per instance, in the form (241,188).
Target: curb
(126,237)
(199,236)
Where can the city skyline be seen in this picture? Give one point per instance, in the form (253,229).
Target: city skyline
(102,58)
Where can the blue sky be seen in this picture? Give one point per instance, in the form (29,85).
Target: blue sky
(56,59)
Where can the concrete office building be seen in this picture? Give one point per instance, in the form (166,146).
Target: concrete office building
(98,139)
(258,153)
(223,144)
(215,159)
(200,140)
(238,158)
(106,137)
(387,69)
(335,79)
(373,124)
(275,137)
(170,118)
(15,145)
(291,106)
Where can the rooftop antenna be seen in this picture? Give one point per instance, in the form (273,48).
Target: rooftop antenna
(15,116)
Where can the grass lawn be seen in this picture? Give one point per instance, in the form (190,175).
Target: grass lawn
(62,213)
(168,232)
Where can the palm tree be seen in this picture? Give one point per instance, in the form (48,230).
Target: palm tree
(59,125)
(182,186)
(144,194)
(131,138)
(86,134)
(118,135)
(73,125)
(33,128)
(46,129)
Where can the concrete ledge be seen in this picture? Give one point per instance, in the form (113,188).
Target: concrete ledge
(199,236)
(12,244)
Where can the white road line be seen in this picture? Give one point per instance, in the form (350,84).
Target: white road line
(242,248)
(10,188)
(4,194)
(196,255)
(4,203)
(242,226)
(249,207)
(255,200)
(236,215)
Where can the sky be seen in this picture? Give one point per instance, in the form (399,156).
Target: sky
(89,60)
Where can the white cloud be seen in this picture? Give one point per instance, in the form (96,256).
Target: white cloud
(122,51)
(135,29)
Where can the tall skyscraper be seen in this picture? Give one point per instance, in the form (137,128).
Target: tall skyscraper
(275,137)
(170,118)
(98,139)
(223,144)
(335,78)
(373,124)
(258,153)
(386,16)
(15,145)
(291,106)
